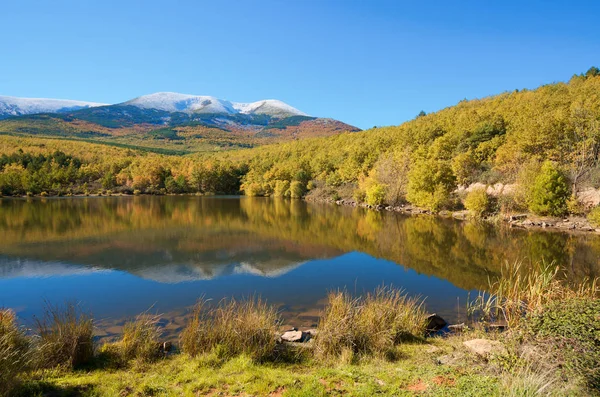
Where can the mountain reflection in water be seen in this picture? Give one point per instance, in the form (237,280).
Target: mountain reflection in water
(120,255)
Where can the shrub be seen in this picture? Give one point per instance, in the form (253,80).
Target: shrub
(550,191)
(594,216)
(253,189)
(359,195)
(282,188)
(65,337)
(14,351)
(375,194)
(371,325)
(478,202)
(573,326)
(232,327)
(430,183)
(297,189)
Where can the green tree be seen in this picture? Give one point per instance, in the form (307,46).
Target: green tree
(550,191)
(430,183)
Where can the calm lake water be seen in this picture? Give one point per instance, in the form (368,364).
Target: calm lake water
(119,256)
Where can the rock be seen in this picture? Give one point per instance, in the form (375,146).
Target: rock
(518,217)
(485,347)
(433,349)
(293,336)
(451,359)
(435,323)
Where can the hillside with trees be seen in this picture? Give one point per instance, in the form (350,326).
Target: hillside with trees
(541,143)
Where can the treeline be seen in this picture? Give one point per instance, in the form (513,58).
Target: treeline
(543,142)
(57,174)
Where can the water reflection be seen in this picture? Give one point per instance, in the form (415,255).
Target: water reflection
(122,254)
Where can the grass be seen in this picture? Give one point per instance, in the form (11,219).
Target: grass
(370,345)
(140,341)
(232,327)
(522,290)
(65,337)
(185,376)
(14,351)
(371,325)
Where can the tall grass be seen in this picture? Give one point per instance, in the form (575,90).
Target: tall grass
(371,325)
(65,337)
(141,339)
(522,290)
(232,327)
(15,351)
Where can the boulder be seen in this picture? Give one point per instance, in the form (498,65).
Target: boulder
(485,347)
(293,336)
(435,323)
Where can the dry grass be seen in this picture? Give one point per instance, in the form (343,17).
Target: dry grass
(65,337)
(520,291)
(15,352)
(232,327)
(372,325)
(141,339)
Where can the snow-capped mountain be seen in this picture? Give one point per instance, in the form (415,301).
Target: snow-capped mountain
(165,115)
(174,102)
(14,106)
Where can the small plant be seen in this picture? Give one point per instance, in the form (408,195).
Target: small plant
(65,337)
(478,202)
(232,327)
(15,351)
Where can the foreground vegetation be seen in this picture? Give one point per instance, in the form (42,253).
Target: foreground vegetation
(365,345)
(543,143)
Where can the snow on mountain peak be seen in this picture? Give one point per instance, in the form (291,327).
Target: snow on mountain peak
(14,106)
(175,102)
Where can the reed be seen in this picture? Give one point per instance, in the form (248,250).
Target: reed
(522,290)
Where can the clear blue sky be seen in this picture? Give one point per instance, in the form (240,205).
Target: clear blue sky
(363,62)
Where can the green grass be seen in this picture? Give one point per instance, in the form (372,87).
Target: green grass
(205,375)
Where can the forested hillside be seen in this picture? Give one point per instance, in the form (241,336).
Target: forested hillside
(544,141)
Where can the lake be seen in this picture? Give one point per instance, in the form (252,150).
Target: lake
(120,256)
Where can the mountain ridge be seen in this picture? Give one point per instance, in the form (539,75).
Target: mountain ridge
(171,102)
(176,122)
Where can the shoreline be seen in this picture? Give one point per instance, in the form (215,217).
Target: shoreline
(524,220)
(527,221)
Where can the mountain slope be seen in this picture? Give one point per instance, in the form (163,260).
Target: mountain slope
(174,102)
(167,120)
(14,106)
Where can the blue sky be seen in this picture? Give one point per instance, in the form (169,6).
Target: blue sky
(363,62)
